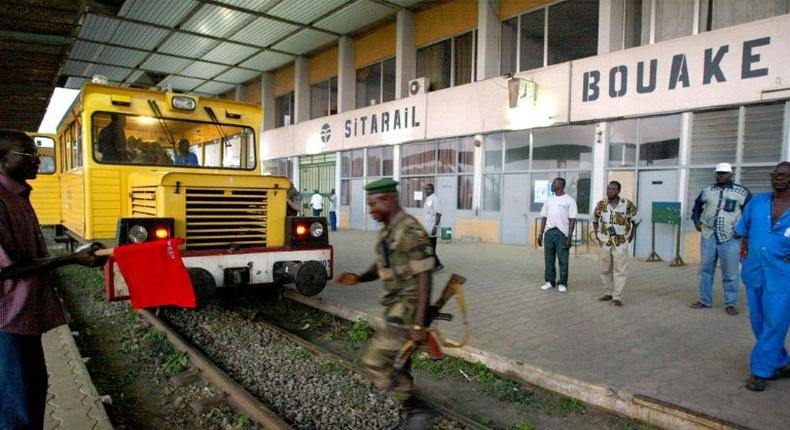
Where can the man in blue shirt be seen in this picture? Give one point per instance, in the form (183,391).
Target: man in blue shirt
(184,156)
(766,274)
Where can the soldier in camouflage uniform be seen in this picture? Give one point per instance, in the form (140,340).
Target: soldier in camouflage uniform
(404,262)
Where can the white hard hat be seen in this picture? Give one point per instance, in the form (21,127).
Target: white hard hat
(724,167)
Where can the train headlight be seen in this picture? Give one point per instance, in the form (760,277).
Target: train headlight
(316,229)
(183,103)
(137,234)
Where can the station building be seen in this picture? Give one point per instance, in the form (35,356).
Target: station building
(490,100)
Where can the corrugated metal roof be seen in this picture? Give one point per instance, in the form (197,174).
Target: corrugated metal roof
(305,41)
(238,76)
(256,5)
(187,45)
(75,83)
(181,83)
(229,53)
(405,3)
(263,32)
(305,11)
(86,50)
(138,35)
(217,21)
(162,12)
(121,56)
(349,19)
(214,88)
(267,61)
(98,28)
(165,63)
(116,74)
(199,69)
(76,68)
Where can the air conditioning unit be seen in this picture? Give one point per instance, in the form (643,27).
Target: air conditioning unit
(418,86)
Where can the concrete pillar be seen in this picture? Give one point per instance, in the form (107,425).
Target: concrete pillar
(396,162)
(267,100)
(598,180)
(302,89)
(295,174)
(338,173)
(405,53)
(786,134)
(610,25)
(239,93)
(346,76)
(487,39)
(477,182)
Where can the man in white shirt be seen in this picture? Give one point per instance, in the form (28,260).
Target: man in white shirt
(556,230)
(432,216)
(317,203)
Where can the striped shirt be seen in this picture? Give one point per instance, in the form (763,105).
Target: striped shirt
(28,306)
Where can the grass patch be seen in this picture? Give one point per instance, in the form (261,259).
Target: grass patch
(361,331)
(176,362)
(330,367)
(523,425)
(300,352)
(564,406)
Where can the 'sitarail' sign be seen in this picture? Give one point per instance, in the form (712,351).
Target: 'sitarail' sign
(735,65)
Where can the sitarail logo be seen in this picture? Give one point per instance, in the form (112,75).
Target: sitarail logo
(171,253)
(326,133)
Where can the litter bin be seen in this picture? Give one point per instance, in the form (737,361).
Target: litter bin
(446,234)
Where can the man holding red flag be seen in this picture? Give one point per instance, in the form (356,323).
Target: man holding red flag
(28,305)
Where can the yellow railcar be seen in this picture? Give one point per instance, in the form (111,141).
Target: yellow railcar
(45,197)
(142,164)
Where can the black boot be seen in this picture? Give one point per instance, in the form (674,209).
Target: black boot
(417,415)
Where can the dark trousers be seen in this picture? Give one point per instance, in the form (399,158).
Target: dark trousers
(333,220)
(317,212)
(433,246)
(554,245)
(23,382)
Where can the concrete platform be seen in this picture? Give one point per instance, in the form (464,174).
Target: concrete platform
(654,359)
(72,400)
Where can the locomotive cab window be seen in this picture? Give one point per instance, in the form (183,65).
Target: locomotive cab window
(148,141)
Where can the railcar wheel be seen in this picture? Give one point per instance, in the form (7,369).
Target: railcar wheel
(310,278)
(204,286)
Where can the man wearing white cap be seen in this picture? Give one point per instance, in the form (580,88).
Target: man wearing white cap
(716,212)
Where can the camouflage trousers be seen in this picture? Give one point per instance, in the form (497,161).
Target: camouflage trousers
(392,331)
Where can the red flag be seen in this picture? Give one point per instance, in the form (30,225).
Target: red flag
(155,274)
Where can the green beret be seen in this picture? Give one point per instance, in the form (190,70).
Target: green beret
(386,185)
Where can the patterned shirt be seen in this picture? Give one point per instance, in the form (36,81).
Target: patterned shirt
(402,252)
(28,306)
(615,223)
(718,209)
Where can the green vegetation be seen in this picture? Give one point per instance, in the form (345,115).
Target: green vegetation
(330,367)
(300,352)
(565,406)
(176,362)
(360,331)
(242,422)
(523,425)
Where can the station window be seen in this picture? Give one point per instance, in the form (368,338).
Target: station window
(750,138)
(449,62)
(549,35)
(323,98)
(352,166)
(423,163)
(654,141)
(379,161)
(376,83)
(284,109)
(278,167)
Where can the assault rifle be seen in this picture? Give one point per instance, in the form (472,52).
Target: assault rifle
(453,288)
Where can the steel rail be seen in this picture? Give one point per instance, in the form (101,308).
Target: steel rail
(317,350)
(245,402)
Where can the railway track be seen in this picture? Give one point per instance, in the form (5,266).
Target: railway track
(313,389)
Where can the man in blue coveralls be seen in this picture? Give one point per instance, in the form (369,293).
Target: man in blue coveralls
(766,275)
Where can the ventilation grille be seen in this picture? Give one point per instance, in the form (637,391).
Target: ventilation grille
(144,201)
(218,218)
